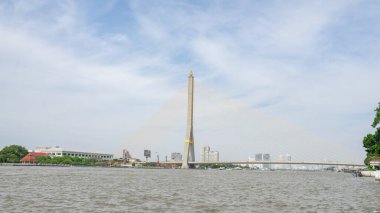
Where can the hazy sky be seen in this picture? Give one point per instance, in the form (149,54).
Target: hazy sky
(296,77)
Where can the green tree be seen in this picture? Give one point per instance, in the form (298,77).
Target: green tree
(371,142)
(43,159)
(12,154)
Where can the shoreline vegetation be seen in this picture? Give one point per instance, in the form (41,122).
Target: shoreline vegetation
(371,142)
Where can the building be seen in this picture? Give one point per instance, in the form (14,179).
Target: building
(209,156)
(213,156)
(60,152)
(375,163)
(284,158)
(30,157)
(266,157)
(204,153)
(260,157)
(126,156)
(175,156)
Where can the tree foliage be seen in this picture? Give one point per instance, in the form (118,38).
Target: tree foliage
(66,160)
(12,154)
(377,117)
(371,142)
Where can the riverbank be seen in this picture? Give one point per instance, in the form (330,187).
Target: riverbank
(375,174)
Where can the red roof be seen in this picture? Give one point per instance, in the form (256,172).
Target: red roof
(30,157)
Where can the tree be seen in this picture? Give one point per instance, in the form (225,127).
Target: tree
(371,142)
(12,154)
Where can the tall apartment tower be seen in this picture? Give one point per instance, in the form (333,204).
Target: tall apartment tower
(188,154)
(207,155)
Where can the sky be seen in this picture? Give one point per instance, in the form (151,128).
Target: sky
(294,77)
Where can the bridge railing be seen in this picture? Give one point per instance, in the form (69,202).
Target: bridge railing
(272,162)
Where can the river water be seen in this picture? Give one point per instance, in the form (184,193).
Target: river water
(77,189)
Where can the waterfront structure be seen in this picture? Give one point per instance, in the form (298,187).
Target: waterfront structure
(176,156)
(260,157)
(30,157)
(207,155)
(375,163)
(128,157)
(60,152)
(284,158)
(266,157)
(213,156)
(204,153)
(188,154)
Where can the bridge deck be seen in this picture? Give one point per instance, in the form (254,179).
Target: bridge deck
(273,162)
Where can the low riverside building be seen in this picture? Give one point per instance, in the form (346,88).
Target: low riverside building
(30,157)
(60,152)
(375,163)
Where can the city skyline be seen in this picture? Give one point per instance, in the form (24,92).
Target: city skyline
(103,74)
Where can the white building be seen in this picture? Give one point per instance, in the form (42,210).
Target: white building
(213,156)
(60,152)
(284,158)
(175,156)
(209,156)
(260,157)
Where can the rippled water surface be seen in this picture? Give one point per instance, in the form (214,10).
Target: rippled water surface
(76,189)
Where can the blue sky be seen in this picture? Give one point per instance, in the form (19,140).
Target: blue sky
(90,74)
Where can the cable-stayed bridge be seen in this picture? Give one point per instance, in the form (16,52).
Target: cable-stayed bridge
(236,130)
(271,162)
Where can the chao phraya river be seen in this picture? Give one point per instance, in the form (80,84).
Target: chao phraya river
(77,189)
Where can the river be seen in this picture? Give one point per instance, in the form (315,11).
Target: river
(81,189)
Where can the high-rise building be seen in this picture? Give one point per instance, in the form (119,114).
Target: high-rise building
(204,153)
(209,156)
(266,157)
(284,158)
(213,156)
(261,157)
(175,156)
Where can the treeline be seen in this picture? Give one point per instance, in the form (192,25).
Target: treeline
(371,142)
(12,154)
(67,160)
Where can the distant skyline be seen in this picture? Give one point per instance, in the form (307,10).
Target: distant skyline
(298,78)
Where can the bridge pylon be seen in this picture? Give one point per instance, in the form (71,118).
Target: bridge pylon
(188,154)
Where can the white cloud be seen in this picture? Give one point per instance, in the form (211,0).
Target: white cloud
(284,59)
